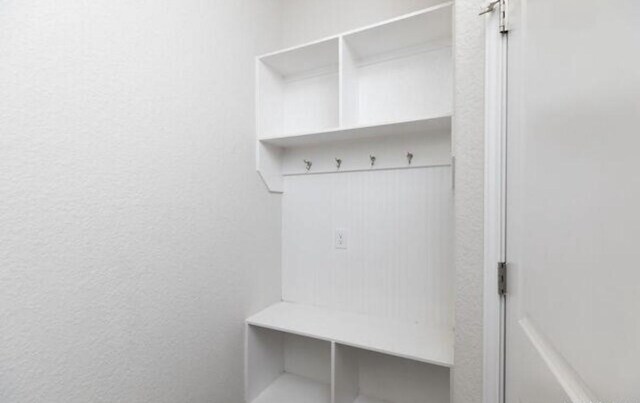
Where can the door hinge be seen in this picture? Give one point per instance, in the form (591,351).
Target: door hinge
(501,6)
(502,278)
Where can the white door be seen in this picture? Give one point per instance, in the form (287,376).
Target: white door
(573,201)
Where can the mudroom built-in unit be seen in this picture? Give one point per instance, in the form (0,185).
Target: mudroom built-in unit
(355,132)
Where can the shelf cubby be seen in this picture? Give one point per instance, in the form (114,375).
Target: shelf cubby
(399,70)
(357,129)
(283,367)
(362,376)
(298,90)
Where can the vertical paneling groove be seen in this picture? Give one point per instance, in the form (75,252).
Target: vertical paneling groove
(399,258)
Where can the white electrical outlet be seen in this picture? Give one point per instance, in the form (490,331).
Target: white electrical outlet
(341,235)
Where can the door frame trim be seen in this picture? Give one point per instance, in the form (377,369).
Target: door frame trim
(494,209)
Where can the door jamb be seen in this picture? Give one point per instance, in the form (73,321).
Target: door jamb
(494,209)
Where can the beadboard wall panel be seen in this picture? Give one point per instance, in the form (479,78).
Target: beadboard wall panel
(398,261)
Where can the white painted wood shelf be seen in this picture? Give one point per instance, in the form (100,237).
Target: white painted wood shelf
(388,79)
(425,126)
(295,388)
(407,340)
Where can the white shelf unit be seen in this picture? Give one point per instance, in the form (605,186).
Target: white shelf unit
(355,131)
(286,368)
(391,78)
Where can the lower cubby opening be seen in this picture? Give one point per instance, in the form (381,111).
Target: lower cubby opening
(284,368)
(362,376)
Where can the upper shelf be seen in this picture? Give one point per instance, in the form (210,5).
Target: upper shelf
(424,30)
(396,71)
(407,340)
(424,126)
(431,25)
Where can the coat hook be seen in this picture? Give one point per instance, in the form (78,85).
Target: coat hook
(338,163)
(409,157)
(307,164)
(373,159)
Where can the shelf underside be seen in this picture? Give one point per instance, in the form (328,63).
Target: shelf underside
(426,125)
(430,28)
(407,340)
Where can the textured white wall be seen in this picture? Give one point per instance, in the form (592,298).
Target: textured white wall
(469,204)
(136,235)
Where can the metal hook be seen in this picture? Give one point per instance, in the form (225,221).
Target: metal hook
(409,157)
(489,7)
(338,163)
(307,164)
(373,159)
